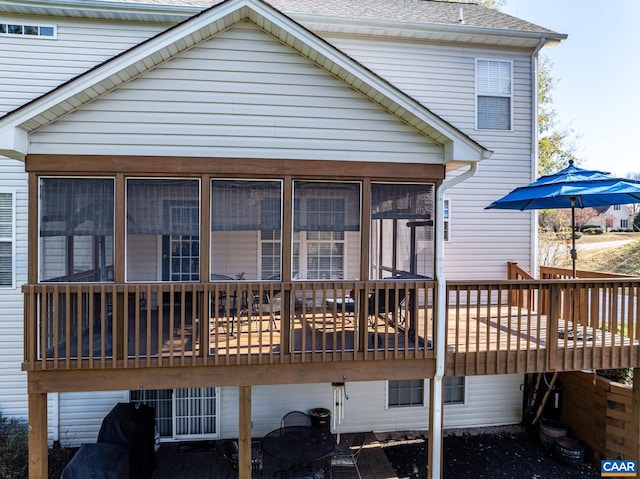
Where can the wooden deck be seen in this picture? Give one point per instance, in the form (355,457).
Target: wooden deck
(491,328)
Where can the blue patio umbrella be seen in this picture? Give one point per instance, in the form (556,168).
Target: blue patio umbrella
(570,188)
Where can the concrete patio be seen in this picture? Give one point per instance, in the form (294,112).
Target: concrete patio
(202,461)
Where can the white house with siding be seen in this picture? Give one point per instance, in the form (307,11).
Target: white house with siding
(616,217)
(111,79)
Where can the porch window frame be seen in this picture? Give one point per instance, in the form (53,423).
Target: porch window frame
(303,241)
(38,259)
(159,276)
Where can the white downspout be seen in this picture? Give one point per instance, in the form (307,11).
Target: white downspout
(534,147)
(435,469)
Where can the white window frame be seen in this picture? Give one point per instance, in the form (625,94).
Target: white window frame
(624,224)
(424,389)
(11,238)
(463,386)
(303,258)
(479,94)
(39,26)
(175,436)
(404,406)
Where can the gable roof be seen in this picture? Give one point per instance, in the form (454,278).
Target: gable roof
(16,126)
(436,20)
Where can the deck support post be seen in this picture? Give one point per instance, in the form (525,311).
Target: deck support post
(635,414)
(38,450)
(244,436)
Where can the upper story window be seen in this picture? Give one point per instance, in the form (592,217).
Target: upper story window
(494,94)
(6,240)
(44,31)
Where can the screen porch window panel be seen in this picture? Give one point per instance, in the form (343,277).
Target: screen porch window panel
(163,229)
(6,240)
(494,94)
(401,229)
(246,224)
(76,220)
(325,215)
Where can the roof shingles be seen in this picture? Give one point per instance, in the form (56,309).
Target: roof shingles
(404,11)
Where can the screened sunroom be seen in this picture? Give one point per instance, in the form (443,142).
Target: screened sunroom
(232,266)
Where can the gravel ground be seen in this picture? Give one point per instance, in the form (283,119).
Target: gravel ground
(513,453)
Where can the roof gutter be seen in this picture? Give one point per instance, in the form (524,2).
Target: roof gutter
(436,406)
(101,9)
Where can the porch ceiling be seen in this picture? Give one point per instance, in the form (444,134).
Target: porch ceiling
(15,127)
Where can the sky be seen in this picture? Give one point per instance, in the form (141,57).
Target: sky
(597,74)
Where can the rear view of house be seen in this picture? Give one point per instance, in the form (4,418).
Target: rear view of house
(232,210)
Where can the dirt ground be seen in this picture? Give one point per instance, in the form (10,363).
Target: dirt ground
(514,453)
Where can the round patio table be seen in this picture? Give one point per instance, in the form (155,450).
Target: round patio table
(298,444)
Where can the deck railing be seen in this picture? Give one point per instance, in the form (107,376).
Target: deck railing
(79,326)
(512,326)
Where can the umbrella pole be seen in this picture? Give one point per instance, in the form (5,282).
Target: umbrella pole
(574,254)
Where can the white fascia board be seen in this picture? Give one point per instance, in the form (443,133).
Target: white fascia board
(100,9)
(456,33)
(14,142)
(458,151)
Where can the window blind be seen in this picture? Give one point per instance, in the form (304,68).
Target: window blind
(163,207)
(6,239)
(246,205)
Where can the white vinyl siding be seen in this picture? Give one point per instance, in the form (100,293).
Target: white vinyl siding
(442,77)
(242,94)
(7,240)
(494,90)
(79,46)
(489,400)
(80,415)
(13,381)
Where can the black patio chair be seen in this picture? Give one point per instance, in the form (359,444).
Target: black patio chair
(347,456)
(383,302)
(229,450)
(295,418)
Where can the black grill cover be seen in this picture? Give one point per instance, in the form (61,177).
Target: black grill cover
(132,426)
(98,461)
